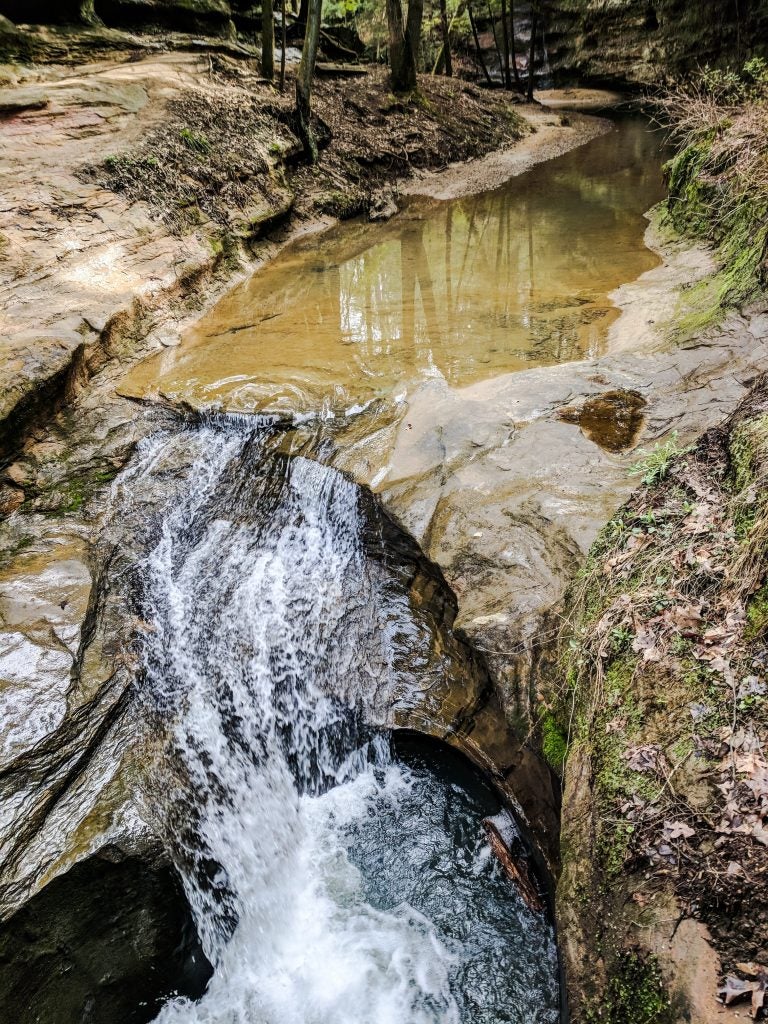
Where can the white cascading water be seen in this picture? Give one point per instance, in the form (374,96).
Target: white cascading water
(267,627)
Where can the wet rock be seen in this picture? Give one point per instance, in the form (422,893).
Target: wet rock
(67,741)
(108,941)
(383,205)
(613,419)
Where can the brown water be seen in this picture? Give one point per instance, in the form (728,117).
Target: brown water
(464,290)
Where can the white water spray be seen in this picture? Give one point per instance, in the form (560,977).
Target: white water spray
(269,628)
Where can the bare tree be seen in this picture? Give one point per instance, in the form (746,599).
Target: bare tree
(304,78)
(513,49)
(446,38)
(492,18)
(480,57)
(283,44)
(267,40)
(532,51)
(505,44)
(404,38)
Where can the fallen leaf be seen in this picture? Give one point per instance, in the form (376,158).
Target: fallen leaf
(685,618)
(677,830)
(751,686)
(616,725)
(645,643)
(643,759)
(735,988)
(752,763)
(699,711)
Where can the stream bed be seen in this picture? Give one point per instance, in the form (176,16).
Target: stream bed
(334,875)
(462,291)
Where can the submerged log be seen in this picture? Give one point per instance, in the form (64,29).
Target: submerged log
(507,846)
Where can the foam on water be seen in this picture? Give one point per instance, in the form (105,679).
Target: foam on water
(268,629)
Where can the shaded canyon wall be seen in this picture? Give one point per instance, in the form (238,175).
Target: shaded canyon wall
(208,17)
(637,42)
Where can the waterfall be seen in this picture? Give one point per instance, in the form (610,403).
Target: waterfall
(266,628)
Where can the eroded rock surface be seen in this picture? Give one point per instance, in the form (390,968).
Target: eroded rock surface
(109,940)
(631,42)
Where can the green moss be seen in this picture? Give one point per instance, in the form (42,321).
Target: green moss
(705,202)
(688,204)
(128,166)
(554,742)
(747,442)
(757,614)
(195,141)
(635,994)
(613,846)
(656,462)
(74,493)
(340,204)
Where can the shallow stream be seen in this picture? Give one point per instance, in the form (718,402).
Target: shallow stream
(463,290)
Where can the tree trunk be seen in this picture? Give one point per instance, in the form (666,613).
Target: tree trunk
(532,52)
(267,40)
(283,44)
(304,80)
(480,57)
(413,32)
(404,41)
(505,43)
(515,69)
(495,36)
(446,39)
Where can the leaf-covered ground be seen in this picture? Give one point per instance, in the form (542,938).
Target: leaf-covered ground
(227,153)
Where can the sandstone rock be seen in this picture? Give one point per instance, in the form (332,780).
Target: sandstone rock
(631,42)
(18,473)
(11,498)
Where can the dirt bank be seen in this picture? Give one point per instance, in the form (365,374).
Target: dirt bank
(664,714)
